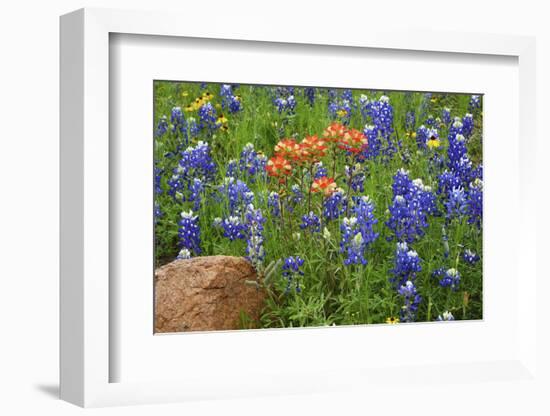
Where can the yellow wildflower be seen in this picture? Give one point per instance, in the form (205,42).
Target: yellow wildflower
(433,143)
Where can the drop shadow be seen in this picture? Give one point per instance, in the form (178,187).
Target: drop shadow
(51,390)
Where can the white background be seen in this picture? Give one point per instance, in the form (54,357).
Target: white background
(29,213)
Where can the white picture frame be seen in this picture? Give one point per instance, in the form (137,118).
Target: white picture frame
(86,356)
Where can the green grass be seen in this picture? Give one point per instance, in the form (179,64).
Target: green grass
(331,292)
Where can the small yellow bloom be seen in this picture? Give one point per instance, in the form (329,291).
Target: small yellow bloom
(434,143)
(342,113)
(184,93)
(189,108)
(433,100)
(392,320)
(207,96)
(222,119)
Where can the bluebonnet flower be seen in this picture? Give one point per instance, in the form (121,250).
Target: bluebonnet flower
(162,126)
(196,189)
(319,171)
(475,202)
(446,116)
(193,129)
(412,203)
(357,177)
(332,109)
(446,316)
(402,183)
(252,164)
(470,257)
(347,95)
(177,119)
(226,91)
(237,193)
(189,232)
(411,301)
(436,163)
(341,107)
(410,120)
(456,128)
(285,104)
(158,178)
(208,117)
(292,272)
(448,278)
(456,204)
(232,227)
(274,203)
(456,150)
(407,265)
(255,252)
(475,102)
(381,113)
(364,211)
(447,182)
(230,102)
(374,144)
(332,94)
(422,137)
(184,254)
(196,162)
(426,198)
(334,205)
(235,104)
(430,121)
(232,169)
(310,95)
(358,232)
(477,173)
(364,106)
(311,222)
(158,212)
(352,242)
(459,162)
(467,125)
(295,197)
(402,220)
(284,99)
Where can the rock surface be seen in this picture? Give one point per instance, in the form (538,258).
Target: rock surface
(205,294)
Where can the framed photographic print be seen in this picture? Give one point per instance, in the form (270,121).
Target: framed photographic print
(297,212)
(309,206)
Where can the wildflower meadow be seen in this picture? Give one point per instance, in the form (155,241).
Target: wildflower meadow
(354,206)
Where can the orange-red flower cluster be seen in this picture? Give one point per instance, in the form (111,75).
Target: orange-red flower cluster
(335,132)
(312,149)
(324,184)
(351,140)
(288,149)
(278,167)
(309,150)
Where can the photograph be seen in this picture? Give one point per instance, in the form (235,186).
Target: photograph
(313,206)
